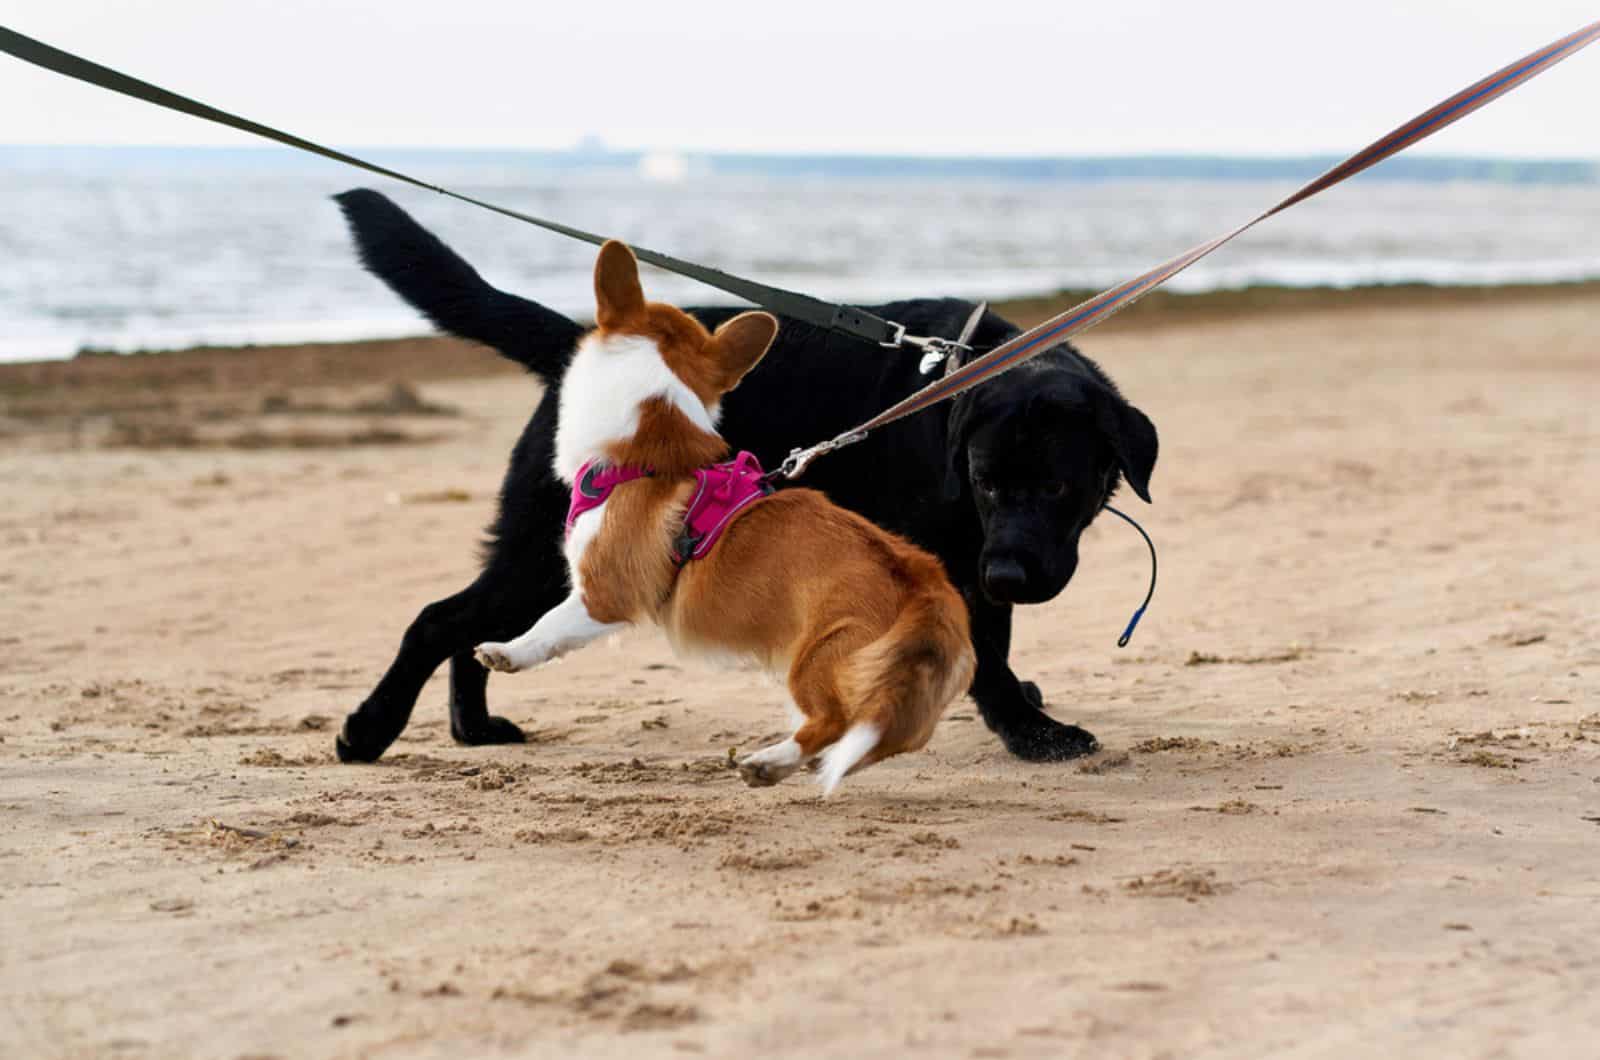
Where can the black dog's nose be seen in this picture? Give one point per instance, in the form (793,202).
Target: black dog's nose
(1004,579)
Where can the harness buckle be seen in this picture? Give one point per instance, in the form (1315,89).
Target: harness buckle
(683,548)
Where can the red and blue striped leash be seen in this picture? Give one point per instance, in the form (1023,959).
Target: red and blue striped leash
(1087,314)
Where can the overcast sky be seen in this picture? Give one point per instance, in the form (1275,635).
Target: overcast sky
(991,77)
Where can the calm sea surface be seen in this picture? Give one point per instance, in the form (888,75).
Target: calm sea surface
(162,249)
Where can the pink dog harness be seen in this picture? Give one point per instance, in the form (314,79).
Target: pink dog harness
(721,492)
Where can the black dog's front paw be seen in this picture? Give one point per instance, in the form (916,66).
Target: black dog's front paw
(493,729)
(1040,738)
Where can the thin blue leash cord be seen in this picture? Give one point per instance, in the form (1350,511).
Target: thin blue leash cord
(1127,634)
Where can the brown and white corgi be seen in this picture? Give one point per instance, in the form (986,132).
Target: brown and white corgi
(864,627)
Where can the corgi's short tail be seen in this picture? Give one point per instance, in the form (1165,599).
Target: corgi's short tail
(898,686)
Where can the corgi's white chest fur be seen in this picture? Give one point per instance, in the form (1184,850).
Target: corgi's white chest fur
(609,378)
(584,527)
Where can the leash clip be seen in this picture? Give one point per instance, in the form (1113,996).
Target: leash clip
(945,351)
(794,465)
(935,351)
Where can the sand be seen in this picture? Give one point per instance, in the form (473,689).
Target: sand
(1349,797)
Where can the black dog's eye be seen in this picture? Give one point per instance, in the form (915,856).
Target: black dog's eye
(985,486)
(1054,490)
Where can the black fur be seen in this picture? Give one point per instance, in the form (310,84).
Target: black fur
(1048,443)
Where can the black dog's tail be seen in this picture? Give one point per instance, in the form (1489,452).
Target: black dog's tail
(435,280)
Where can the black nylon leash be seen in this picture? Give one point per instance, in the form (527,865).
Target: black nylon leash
(847,319)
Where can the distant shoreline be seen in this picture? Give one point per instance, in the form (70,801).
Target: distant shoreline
(1422,168)
(427,356)
(123,249)
(1166,307)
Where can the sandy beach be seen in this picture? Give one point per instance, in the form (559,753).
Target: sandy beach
(1348,801)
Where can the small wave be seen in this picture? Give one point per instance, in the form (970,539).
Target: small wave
(59,344)
(136,258)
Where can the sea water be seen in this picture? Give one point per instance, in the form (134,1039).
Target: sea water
(127,249)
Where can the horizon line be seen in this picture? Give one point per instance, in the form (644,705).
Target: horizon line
(599,150)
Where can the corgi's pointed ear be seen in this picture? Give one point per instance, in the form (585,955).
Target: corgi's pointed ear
(617,294)
(741,342)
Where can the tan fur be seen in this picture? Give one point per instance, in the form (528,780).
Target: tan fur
(865,625)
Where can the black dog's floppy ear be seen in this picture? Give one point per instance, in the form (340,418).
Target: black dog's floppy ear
(1132,438)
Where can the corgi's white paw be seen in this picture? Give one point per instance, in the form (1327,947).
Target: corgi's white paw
(496,657)
(760,774)
(766,767)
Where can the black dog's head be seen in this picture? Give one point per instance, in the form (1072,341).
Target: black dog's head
(1043,448)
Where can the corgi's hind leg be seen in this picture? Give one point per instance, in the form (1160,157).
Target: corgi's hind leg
(772,764)
(766,767)
(846,754)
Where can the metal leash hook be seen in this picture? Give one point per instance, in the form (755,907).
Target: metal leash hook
(794,465)
(936,350)
(944,351)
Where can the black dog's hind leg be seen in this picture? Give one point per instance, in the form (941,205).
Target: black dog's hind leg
(1013,709)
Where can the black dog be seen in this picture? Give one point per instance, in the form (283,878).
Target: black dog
(999,486)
